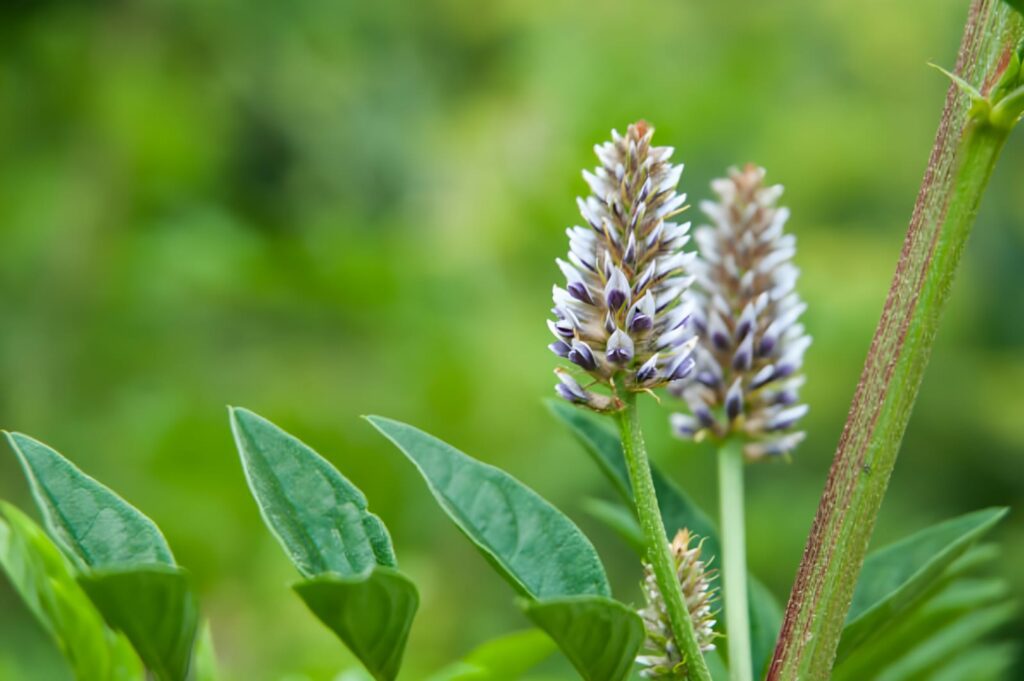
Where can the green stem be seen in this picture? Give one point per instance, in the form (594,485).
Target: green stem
(965,152)
(734,559)
(658,552)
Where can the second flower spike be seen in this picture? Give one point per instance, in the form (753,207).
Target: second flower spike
(620,317)
(746,311)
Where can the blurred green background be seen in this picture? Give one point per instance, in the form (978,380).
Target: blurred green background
(324,208)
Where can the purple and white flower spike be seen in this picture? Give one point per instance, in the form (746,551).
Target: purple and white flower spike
(746,312)
(621,316)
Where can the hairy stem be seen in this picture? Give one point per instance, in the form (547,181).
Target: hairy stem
(734,559)
(658,553)
(961,164)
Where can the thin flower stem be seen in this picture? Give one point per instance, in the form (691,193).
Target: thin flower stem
(734,559)
(658,554)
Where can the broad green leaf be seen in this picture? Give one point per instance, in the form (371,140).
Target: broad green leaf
(343,550)
(320,518)
(88,519)
(1016,4)
(371,614)
(530,542)
(677,511)
(129,571)
(620,519)
(44,579)
(155,607)
(895,576)
(600,636)
(507,658)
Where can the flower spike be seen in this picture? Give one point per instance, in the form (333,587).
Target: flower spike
(662,658)
(746,312)
(621,317)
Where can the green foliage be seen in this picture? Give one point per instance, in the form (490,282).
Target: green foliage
(45,581)
(620,519)
(156,608)
(506,658)
(322,209)
(598,635)
(127,567)
(371,613)
(204,662)
(533,545)
(765,621)
(319,517)
(605,448)
(919,609)
(536,548)
(895,577)
(677,511)
(89,520)
(930,640)
(344,551)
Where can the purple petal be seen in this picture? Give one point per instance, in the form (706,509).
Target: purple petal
(734,400)
(744,356)
(620,347)
(582,355)
(579,291)
(684,426)
(648,371)
(560,348)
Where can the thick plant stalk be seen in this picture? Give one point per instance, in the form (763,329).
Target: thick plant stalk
(658,552)
(734,559)
(972,131)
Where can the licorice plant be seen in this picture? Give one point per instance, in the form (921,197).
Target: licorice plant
(642,313)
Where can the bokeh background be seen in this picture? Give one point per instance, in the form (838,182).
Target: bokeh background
(324,208)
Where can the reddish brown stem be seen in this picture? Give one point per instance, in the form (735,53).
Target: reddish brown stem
(958,171)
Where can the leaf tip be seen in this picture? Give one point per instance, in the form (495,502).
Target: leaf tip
(240,416)
(380,423)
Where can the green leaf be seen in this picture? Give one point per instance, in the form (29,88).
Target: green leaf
(204,662)
(917,627)
(598,635)
(530,542)
(951,638)
(44,579)
(765,622)
(677,511)
(371,614)
(506,658)
(620,519)
(320,518)
(1016,4)
(981,663)
(88,519)
(325,527)
(894,577)
(129,571)
(156,609)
